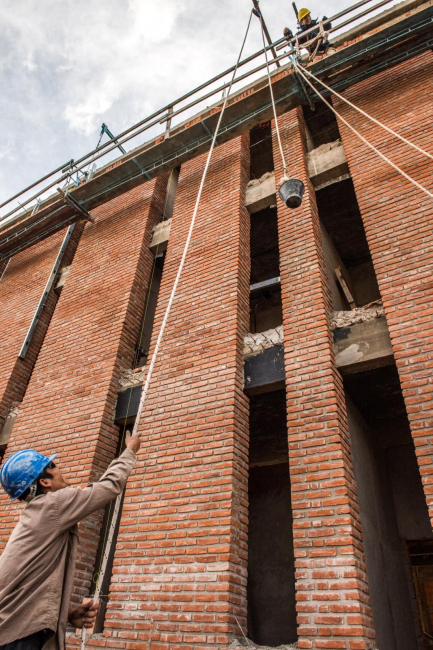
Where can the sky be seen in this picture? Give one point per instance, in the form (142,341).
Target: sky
(67,66)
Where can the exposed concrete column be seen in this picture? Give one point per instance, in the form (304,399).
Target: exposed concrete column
(331,581)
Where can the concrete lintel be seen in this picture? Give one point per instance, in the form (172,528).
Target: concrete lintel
(127,405)
(363,346)
(160,236)
(62,279)
(6,431)
(327,164)
(360,347)
(265,371)
(262,194)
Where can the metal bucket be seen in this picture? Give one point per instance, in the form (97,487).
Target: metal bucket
(291,192)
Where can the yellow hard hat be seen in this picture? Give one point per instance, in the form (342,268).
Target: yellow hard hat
(302,13)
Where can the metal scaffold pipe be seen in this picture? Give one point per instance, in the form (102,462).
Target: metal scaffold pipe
(167,113)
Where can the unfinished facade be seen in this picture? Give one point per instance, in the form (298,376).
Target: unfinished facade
(285,475)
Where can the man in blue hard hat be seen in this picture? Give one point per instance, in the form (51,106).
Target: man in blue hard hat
(37,564)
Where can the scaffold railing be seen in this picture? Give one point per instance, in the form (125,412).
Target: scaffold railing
(164,116)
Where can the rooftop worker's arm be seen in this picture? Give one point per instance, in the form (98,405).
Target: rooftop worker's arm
(74,504)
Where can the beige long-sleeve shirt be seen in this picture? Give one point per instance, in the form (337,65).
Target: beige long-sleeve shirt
(38,562)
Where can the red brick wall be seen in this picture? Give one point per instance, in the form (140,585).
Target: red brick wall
(398,220)
(331,582)
(21,288)
(180,564)
(70,402)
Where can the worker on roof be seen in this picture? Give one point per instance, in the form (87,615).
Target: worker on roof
(38,562)
(305,23)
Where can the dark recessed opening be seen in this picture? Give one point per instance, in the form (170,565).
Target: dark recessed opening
(271,573)
(265,304)
(151,301)
(322,126)
(392,503)
(265,259)
(340,216)
(339,213)
(262,159)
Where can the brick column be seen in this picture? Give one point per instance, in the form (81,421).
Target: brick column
(21,288)
(331,580)
(398,221)
(70,402)
(180,564)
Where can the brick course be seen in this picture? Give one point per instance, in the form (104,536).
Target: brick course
(70,402)
(398,221)
(331,582)
(180,563)
(180,566)
(21,288)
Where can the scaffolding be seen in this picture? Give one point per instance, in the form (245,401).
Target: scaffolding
(384,41)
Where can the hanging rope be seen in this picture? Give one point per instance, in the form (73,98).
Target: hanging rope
(361,137)
(97,573)
(118,502)
(286,173)
(370,117)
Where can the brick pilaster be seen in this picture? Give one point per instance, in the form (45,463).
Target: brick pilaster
(398,221)
(331,581)
(180,564)
(70,402)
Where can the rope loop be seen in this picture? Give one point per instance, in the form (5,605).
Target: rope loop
(360,136)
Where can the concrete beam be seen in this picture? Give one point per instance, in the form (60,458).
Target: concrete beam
(6,431)
(62,279)
(160,236)
(264,372)
(363,346)
(359,347)
(327,164)
(127,405)
(261,194)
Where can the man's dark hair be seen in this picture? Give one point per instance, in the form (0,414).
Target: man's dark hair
(45,474)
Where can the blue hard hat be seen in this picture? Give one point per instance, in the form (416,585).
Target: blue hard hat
(21,470)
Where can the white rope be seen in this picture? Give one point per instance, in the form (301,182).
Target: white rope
(361,137)
(370,117)
(286,173)
(116,510)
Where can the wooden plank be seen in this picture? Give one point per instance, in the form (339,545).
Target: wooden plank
(343,284)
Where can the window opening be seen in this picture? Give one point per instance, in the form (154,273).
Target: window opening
(261,156)
(345,245)
(322,126)
(392,504)
(271,572)
(146,328)
(265,297)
